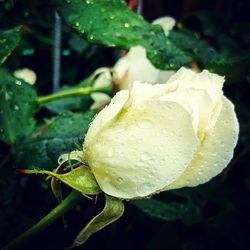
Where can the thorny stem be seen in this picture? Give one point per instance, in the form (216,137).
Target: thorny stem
(72,199)
(72,92)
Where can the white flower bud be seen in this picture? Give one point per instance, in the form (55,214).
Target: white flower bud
(158,137)
(27,75)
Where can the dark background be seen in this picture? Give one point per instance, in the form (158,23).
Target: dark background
(217,214)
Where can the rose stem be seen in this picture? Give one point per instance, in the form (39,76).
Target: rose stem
(72,199)
(73,92)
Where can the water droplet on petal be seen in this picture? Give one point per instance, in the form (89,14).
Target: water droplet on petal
(110,152)
(145,124)
(120,180)
(144,188)
(145,156)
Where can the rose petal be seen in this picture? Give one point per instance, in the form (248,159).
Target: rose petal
(215,152)
(148,146)
(107,115)
(197,102)
(135,66)
(188,79)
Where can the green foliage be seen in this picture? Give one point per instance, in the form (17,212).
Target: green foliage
(112,211)
(118,26)
(59,135)
(233,65)
(169,211)
(9,39)
(17,107)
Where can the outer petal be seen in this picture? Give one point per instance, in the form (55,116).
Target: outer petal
(188,79)
(107,115)
(198,103)
(215,152)
(147,147)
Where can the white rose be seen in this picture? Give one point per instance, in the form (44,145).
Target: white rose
(27,75)
(164,136)
(135,66)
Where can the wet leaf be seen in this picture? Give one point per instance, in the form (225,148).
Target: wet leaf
(17,107)
(59,135)
(234,66)
(9,39)
(169,211)
(112,211)
(118,26)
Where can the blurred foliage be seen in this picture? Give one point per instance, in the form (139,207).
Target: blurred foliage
(8,41)
(211,216)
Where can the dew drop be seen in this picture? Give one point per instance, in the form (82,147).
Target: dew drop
(145,188)
(119,180)
(77,24)
(145,124)
(17,82)
(91,37)
(126,25)
(145,156)
(110,152)
(7,96)
(139,164)
(16,107)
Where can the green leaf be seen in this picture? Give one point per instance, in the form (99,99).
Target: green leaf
(17,107)
(111,23)
(112,211)
(169,211)
(80,179)
(59,135)
(233,66)
(9,39)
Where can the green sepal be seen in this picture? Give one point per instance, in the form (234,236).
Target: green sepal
(56,184)
(9,39)
(80,179)
(112,211)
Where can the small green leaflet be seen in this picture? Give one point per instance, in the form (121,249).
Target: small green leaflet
(9,39)
(111,23)
(17,107)
(112,211)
